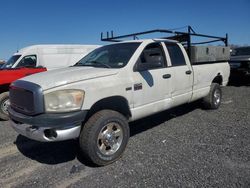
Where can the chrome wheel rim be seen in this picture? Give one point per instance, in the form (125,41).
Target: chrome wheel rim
(217,97)
(110,138)
(5,105)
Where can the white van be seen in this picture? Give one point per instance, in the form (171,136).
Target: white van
(49,56)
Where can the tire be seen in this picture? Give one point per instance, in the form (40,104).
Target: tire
(213,99)
(4,103)
(104,137)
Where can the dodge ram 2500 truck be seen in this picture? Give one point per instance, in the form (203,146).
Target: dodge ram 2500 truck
(94,100)
(35,59)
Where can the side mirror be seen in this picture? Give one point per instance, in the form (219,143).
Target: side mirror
(147,66)
(141,67)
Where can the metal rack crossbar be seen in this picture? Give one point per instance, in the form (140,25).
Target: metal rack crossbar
(183,37)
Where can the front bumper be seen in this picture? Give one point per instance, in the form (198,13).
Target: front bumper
(48,127)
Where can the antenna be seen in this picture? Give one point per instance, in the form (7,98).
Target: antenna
(17,48)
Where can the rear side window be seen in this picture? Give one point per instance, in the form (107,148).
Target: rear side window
(28,61)
(176,55)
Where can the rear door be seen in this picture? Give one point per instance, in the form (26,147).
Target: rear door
(182,74)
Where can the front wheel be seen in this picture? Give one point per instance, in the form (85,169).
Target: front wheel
(104,137)
(213,99)
(4,104)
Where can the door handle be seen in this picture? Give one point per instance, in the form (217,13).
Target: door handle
(166,76)
(188,72)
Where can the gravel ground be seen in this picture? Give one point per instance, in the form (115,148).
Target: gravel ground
(183,147)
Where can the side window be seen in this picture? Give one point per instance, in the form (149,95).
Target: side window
(28,61)
(176,55)
(152,57)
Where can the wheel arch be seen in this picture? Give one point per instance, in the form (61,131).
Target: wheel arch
(4,88)
(116,103)
(218,79)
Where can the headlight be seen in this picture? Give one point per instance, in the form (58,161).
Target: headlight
(64,100)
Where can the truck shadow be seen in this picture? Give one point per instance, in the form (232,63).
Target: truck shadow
(152,121)
(48,153)
(60,152)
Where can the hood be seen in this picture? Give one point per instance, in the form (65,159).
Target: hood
(59,77)
(240,58)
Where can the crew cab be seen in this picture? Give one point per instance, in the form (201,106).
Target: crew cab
(95,100)
(35,59)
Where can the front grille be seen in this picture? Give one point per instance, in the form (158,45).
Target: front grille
(22,100)
(26,98)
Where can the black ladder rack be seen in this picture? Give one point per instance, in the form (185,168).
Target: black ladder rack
(182,37)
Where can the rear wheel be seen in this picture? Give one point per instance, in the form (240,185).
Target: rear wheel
(104,137)
(213,99)
(4,104)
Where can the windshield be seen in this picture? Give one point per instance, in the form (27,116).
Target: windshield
(11,62)
(241,51)
(110,56)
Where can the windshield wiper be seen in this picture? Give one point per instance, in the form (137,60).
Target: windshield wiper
(93,64)
(79,64)
(100,63)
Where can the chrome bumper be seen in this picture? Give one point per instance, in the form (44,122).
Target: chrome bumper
(46,134)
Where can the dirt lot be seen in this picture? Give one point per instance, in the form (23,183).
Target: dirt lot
(184,147)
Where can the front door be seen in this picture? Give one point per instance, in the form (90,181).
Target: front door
(28,65)
(151,77)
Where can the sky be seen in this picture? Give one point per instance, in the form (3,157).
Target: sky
(29,22)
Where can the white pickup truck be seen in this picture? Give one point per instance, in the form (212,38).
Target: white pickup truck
(94,100)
